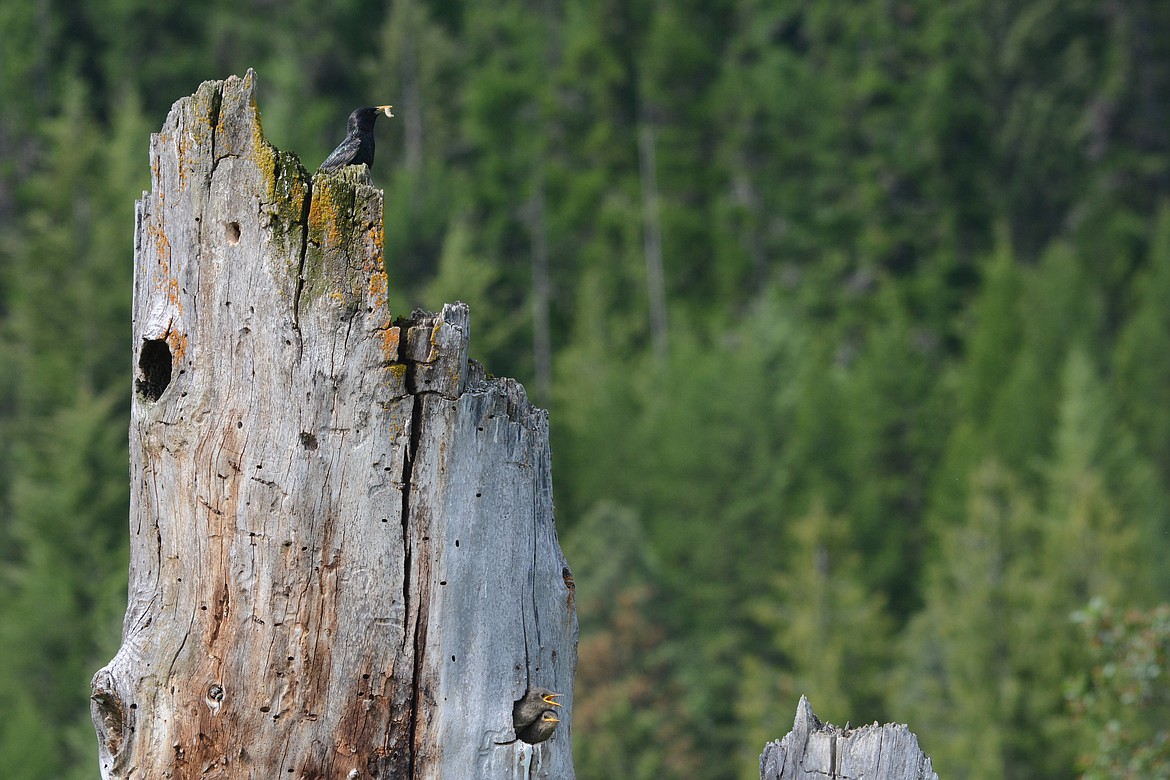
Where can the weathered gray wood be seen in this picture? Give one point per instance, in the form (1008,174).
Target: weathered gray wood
(343,556)
(817,751)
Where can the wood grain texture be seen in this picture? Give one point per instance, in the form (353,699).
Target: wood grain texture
(343,556)
(819,751)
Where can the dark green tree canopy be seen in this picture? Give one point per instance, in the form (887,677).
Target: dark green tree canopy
(910,414)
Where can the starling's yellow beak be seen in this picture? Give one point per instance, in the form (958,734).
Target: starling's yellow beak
(385,109)
(551,719)
(548,699)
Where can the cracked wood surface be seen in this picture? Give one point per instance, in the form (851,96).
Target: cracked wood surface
(343,556)
(822,751)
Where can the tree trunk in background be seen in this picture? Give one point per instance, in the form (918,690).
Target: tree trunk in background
(541,287)
(815,751)
(412,114)
(652,233)
(343,556)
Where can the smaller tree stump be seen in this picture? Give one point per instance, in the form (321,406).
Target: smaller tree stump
(816,750)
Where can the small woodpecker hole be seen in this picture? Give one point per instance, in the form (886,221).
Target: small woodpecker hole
(154,369)
(231,231)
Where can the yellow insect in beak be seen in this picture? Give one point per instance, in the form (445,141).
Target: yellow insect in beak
(385,110)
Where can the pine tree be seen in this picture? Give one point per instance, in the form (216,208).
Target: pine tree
(960,683)
(989,653)
(420,65)
(829,637)
(1142,355)
(506,128)
(630,715)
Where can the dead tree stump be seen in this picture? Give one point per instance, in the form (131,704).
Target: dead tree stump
(343,556)
(816,751)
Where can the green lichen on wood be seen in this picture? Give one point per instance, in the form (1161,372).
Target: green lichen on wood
(206,103)
(286,190)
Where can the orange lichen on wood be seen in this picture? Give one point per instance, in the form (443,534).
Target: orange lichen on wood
(178,343)
(156,173)
(325,218)
(181,148)
(162,244)
(376,240)
(164,279)
(377,286)
(390,337)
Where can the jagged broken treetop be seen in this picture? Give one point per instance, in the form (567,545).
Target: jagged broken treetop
(343,555)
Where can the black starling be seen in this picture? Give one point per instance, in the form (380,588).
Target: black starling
(358,146)
(533,717)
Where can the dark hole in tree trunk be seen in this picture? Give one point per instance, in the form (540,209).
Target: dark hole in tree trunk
(154,368)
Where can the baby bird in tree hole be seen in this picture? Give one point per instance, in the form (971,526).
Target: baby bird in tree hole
(533,716)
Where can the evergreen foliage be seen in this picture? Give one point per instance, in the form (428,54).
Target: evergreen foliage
(911,419)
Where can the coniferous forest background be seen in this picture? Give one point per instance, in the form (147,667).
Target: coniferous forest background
(853,320)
